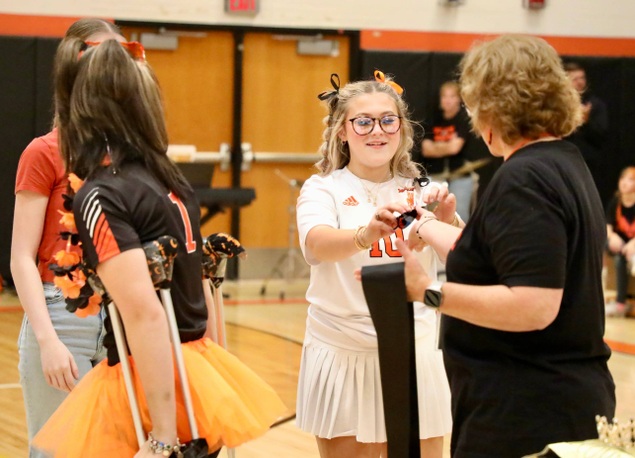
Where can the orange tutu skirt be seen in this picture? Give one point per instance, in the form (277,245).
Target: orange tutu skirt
(232,405)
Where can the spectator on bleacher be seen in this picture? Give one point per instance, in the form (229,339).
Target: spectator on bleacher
(620,232)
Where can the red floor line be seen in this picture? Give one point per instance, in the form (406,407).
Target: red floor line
(621,347)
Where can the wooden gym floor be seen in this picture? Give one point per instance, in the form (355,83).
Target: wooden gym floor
(266,333)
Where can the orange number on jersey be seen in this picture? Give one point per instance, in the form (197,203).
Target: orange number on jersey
(190,244)
(376,251)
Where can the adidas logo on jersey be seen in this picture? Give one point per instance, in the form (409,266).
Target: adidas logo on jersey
(351,202)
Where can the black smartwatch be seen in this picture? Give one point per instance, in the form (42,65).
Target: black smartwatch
(433,296)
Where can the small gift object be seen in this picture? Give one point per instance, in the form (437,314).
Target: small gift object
(617,434)
(405,219)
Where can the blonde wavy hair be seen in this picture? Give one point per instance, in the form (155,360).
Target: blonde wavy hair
(516,85)
(335,153)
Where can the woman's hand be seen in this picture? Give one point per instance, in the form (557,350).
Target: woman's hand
(615,243)
(384,221)
(446,209)
(416,278)
(58,365)
(629,249)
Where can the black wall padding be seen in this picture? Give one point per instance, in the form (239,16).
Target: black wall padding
(44,109)
(25,77)
(611,79)
(17,80)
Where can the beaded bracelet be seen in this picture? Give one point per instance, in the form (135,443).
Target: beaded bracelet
(357,238)
(161,448)
(425,219)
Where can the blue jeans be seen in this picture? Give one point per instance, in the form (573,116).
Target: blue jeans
(462,188)
(83,338)
(622,276)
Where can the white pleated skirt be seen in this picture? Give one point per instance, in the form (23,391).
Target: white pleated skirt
(339,392)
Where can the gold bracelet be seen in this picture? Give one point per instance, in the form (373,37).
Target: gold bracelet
(456,222)
(357,238)
(425,220)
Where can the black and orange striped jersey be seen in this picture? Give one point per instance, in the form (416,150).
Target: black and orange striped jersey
(115,212)
(443,130)
(621,218)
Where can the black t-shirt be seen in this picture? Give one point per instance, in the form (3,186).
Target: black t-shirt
(122,211)
(444,130)
(621,218)
(540,223)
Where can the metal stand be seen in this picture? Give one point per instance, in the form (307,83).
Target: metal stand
(290,263)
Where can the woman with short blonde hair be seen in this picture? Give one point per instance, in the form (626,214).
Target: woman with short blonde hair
(523,307)
(518,87)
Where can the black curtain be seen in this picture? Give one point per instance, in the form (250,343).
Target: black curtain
(26,101)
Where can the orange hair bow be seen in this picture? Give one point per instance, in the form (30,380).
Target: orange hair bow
(381,78)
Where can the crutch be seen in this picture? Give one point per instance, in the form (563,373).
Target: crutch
(160,256)
(217,248)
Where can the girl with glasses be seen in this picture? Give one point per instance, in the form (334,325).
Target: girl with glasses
(347,218)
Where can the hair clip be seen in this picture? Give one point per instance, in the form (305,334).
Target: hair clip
(335,82)
(381,78)
(134,48)
(423,181)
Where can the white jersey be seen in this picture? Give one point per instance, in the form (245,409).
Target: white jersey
(338,313)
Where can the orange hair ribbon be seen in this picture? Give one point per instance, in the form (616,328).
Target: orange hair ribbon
(381,78)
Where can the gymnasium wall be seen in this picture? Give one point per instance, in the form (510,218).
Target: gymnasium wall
(560,17)
(420,42)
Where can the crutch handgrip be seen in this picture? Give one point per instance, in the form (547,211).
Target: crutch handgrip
(160,255)
(217,248)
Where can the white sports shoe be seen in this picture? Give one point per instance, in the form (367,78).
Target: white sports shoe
(615,309)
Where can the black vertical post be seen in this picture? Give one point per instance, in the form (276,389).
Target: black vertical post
(237,137)
(354,56)
(393,316)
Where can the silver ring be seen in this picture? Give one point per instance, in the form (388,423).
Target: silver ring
(377,217)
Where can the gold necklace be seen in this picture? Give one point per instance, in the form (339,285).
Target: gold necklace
(373,192)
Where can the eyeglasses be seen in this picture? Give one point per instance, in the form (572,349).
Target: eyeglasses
(364,125)
(135,48)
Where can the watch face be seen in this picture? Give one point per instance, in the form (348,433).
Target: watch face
(432,298)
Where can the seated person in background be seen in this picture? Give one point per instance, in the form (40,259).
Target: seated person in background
(444,146)
(620,232)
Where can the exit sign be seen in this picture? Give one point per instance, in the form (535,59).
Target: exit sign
(242,6)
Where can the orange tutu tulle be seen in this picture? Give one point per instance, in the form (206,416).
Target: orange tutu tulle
(231,403)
